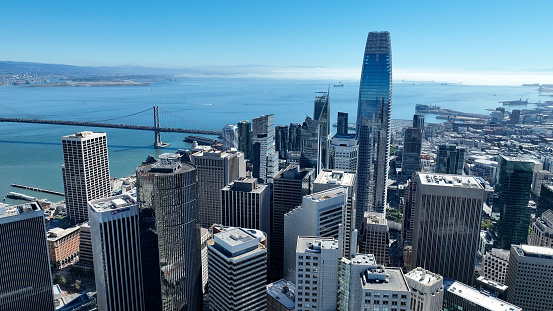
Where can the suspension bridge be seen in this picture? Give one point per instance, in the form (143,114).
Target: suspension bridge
(156,128)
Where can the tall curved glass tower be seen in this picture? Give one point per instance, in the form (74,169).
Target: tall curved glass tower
(373,124)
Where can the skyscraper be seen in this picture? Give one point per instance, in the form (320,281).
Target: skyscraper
(237,270)
(450,159)
(264,155)
(427,290)
(545,201)
(374,237)
(294,137)
(310,145)
(512,193)
(85,172)
(25,279)
(116,248)
(373,123)
(282,141)
(446,222)
(342,128)
(321,113)
(230,137)
(412,145)
(169,235)
(245,138)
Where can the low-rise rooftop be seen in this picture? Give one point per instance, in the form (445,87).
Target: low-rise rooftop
(283,291)
(481,299)
(449,180)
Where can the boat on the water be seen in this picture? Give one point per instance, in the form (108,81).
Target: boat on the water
(515,102)
(340,84)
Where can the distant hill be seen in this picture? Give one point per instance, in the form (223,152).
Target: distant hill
(8,67)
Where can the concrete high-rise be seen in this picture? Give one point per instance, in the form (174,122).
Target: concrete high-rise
(246,204)
(116,247)
(343,152)
(25,279)
(529,277)
(446,222)
(169,235)
(427,290)
(373,123)
(230,137)
(215,169)
(459,296)
(237,270)
(512,193)
(85,172)
(374,237)
(450,159)
(321,113)
(321,214)
(245,138)
(495,264)
(542,230)
(290,185)
(264,155)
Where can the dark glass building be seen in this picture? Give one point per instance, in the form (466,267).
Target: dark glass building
(342,126)
(412,145)
(545,201)
(169,235)
(245,138)
(450,159)
(373,123)
(512,193)
(321,113)
(281,141)
(294,137)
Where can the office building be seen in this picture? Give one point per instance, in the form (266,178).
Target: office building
(281,141)
(540,177)
(246,204)
(373,123)
(409,203)
(85,172)
(281,296)
(237,270)
(427,290)
(116,248)
(512,193)
(86,260)
(365,285)
(264,155)
(495,264)
(529,277)
(63,246)
(215,169)
(446,226)
(459,296)
(321,113)
(374,237)
(316,273)
(493,288)
(310,145)
(245,138)
(169,235)
(205,236)
(342,125)
(545,200)
(542,231)
(450,159)
(294,137)
(230,137)
(418,121)
(25,278)
(321,214)
(343,152)
(329,179)
(290,185)
(412,146)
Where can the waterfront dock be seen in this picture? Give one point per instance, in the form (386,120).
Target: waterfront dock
(38,189)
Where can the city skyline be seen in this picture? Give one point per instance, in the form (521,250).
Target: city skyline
(433,42)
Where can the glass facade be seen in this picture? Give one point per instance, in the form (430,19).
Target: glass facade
(450,159)
(321,113)
(512,193)
(373,124)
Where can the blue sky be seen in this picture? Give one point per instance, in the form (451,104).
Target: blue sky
(426,35)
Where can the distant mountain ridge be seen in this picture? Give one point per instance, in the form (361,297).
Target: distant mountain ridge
(9,67)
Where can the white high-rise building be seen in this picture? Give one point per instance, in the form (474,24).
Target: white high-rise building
(25,277)
(230,137)
(215,169)
(343,152)
(85,172)
(321,214)
(238,270)
(205,236)
(542,231)
(116,248)
(328,179)
(427,290)
(529,277)
(316,273)
(446,230)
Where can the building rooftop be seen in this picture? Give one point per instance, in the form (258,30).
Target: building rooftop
(83,135)
(336,177)
(481,299)
(315,244)
(381,278)
(424,277)
(326,194)
(58,233)
(363,259)
(449,180)
(238,241)
(534,251)
(113,203)
(246,185)
(284,292)
(375,218)
(19,209)
(166,166)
